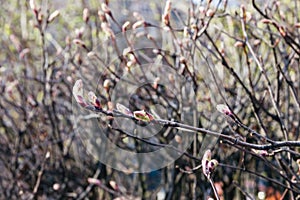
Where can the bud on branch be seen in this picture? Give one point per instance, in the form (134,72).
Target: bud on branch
(143,116)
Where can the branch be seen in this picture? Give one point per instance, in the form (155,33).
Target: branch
(271,146)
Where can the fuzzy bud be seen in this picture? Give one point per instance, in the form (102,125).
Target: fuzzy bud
(79,43)
(105,8)
(143,116)
(78,93)
(40,17)
(91,54)
(107,84)
(125,26)
(210,13)
(24,52)
(208,165)
(78,88)
(138,24)
(86,15)
(114,185)
(156,82)
(32,5)
(212,165)
(102,16)
(205,160)
(222,108)
(94,100)
(79,32)
(166,14)
(266,21)
(107,30)
(78,59)
(94,181)
(53,16)
(239,44)
(123,109)
(81,101)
